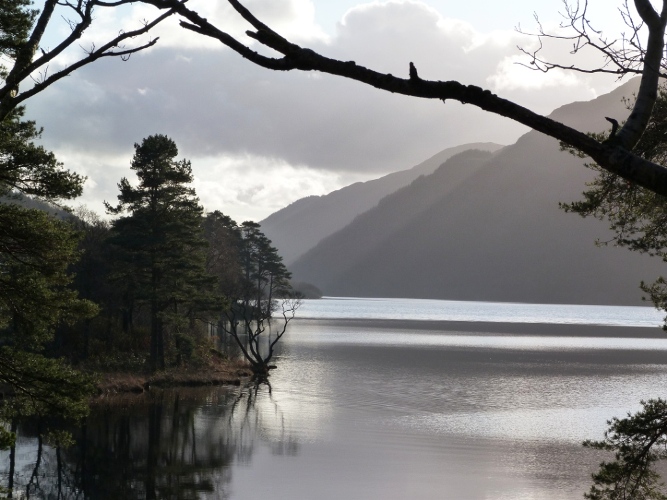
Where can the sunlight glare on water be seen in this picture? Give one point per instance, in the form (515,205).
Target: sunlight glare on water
(407,338)
(496,312)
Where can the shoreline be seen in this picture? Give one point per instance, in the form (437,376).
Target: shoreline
(498,328)
(236,372)
(225,373)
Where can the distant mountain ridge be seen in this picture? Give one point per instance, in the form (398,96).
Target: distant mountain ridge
(486,226)
(298,227)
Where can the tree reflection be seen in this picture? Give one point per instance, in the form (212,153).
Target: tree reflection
(256,413)
(167,445)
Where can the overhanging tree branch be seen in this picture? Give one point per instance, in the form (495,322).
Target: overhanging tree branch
(614,155)
(25,64)
(634,127)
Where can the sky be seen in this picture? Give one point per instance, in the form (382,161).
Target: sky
(259,140)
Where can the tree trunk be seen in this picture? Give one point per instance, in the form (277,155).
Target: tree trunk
(154,354)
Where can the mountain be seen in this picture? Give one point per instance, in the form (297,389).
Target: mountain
(494,234)
(298,227)
(36,204)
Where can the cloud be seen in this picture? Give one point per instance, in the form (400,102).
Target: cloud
(246,186)
(306,132)
(511,74)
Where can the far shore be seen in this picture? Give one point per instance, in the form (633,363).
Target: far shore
(482,327)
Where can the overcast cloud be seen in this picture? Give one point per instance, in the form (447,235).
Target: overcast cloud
(259,140)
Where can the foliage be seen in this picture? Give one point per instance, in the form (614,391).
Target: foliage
(307,290)
(255,283)
(265,274)
(160,244)
(638,219)
(90,280)
(223,258)
(637,216)
(30,169)
(36,251)
(16,20)
(638,442)
(43,386)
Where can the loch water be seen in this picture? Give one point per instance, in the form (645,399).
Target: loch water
(377,399)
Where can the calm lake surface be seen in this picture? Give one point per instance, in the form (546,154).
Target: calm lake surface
(378,399)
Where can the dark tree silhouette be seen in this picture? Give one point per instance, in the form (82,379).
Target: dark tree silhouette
(161,239)
(639,53)
(255,284)
(24,71)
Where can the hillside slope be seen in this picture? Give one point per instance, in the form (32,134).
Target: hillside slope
(496,235)
(298,227)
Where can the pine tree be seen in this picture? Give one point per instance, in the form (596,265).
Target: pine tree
(223,257)
(160,241)
(638,219)
(636,215)
(251,277)
(35,252)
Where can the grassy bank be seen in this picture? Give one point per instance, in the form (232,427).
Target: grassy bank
(217,372)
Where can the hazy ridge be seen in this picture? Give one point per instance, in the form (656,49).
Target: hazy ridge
(487,227)
(301,225)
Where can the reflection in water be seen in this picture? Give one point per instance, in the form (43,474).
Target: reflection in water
(168,444)
(382,411)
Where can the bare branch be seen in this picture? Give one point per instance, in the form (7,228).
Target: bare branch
(629,56)
(634,127)
(614,155)
(24,65)
(620,56)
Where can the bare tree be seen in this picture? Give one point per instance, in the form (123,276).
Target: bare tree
(251,327)
(639,55)
(26,62)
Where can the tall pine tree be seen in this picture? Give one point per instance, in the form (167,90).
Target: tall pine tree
(160,245)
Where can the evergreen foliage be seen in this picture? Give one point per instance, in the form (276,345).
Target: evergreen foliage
(28,168)
(160,245)
(637,216)
(16,20)
(265,274)
(255,284)
(223,259)
(35,295)
(91,279)
(638,442)
(35,252)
